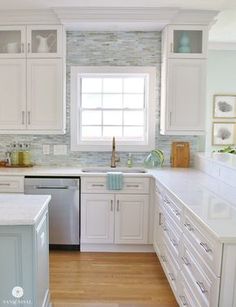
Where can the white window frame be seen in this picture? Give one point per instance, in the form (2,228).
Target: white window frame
(79,145)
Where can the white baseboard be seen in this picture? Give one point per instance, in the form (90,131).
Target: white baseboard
(117,248)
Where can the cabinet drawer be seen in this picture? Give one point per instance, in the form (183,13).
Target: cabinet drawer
(186,298)
(171,268)
(173,208)
(171,239)
(205,286)
(206,245)
(130,185)
(11,184)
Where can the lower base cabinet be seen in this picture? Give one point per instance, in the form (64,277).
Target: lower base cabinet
(200,269)
(114,218)
(24,265)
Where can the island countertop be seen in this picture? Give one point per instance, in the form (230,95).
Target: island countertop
(20,209)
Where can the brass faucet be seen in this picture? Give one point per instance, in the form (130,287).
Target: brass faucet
(114,157)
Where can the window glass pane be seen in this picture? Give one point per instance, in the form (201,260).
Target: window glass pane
(91,132)
(91,100)
(134,101)
(134,85)
(112,117)
(91,118)
(112,101)
(133,132)
(112,85)
(112,131)
(133,118)
(91,85)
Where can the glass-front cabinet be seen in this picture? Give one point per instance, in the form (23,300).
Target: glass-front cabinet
(44,41)
(36,41)
(186,41)
(12,41)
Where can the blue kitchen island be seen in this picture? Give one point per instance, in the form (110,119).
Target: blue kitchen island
(24,250)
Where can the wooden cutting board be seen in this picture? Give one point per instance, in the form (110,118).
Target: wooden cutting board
(180,156)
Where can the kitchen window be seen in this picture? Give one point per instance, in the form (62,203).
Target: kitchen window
(112,101)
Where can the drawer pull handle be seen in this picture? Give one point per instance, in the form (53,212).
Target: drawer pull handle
(176,212)
(5,184)
(183,300)
(189,226)
(118,206)
(159,220)
(111,205)
(174,242)
(132,185)
(205,247)
(172,277)
(185,261)
(97,185)
(201,286)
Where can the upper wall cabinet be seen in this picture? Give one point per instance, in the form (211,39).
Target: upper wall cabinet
(44,41)
(183,80)
(188,41)
(12,41)
(32,78)
(36,41)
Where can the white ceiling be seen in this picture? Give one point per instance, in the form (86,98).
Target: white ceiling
(224,30)
(186,4)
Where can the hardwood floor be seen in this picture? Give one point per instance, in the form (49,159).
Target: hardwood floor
(108,279)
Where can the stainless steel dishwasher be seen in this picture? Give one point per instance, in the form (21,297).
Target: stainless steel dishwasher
(64,208)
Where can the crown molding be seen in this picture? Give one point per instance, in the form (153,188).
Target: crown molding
(109,18)
(18,17)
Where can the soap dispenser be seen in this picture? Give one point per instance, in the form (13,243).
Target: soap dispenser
(130,161)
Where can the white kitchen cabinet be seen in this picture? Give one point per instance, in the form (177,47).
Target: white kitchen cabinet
(12,41)
(31,41)
(183,79)
(12,94)
(44,41)
(31,96)
(45,94)
(131,219)
(97,218)
(32,80)
(11,184)
(191,256)
(185,41)
(113,218)
(183,97)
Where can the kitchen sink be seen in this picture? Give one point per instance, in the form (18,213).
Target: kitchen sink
(117,169)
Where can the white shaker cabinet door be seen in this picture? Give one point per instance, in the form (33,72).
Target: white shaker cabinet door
(131,219)
(185,97)
(45,108)
(97,218)
(12,94)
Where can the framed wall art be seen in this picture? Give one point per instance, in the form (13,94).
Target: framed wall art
(224,106)
(223,133)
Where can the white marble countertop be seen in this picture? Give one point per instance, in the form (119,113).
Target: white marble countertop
(19,209)
(211,201)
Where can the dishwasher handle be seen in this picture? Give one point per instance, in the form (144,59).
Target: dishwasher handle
(39,187)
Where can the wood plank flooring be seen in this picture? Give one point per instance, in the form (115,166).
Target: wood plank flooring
(108,279)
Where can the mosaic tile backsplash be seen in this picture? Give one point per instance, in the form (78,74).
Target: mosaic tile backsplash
(102,49)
